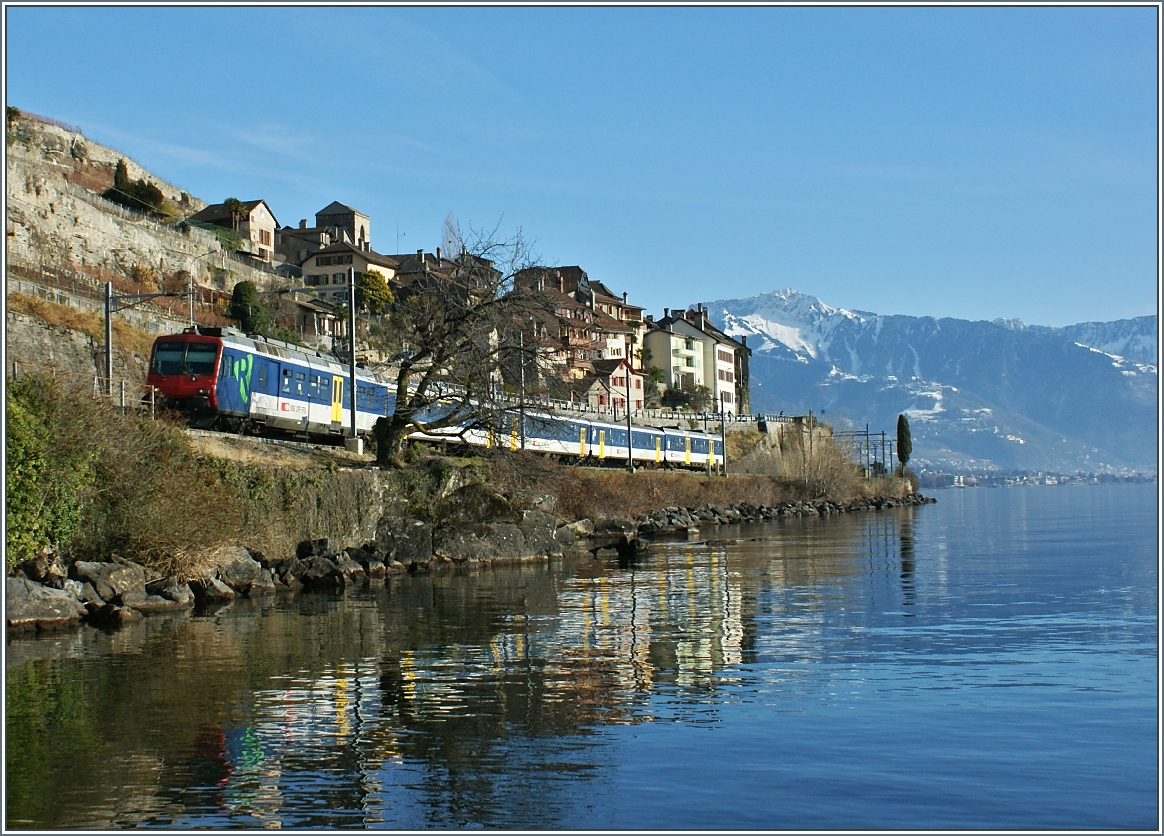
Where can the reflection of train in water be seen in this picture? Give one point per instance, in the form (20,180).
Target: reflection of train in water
(224,378)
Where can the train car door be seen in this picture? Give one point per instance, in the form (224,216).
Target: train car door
(337,403)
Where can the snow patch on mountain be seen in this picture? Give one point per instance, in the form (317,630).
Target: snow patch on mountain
(800,323)
(1002,394)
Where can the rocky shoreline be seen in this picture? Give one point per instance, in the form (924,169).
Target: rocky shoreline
(45,594)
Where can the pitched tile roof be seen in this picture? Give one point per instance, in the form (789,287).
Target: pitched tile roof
(370,256)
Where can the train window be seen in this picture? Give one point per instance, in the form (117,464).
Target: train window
(262,376)
(168,358)
(300,379)
(287,381)
(200,358)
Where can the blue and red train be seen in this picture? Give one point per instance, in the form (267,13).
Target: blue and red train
(224,378)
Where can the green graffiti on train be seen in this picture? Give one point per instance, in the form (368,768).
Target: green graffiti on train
(242,373)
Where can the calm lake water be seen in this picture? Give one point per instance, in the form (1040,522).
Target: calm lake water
(986,662)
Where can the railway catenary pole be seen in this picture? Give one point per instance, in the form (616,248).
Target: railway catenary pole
(521,385)
(630,456)
(352,343)
(722,431)
(109,338)
(707,461)
(111,307)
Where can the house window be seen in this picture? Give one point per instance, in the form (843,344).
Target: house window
(337,278)
(322,261)
(265,236)
(347,259)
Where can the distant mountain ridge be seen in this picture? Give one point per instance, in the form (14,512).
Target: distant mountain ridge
(980,395)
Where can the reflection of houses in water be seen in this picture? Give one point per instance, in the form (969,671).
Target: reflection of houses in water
(458,692)
(302,731)
(681,621)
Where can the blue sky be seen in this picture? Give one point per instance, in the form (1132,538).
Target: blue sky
(967,162)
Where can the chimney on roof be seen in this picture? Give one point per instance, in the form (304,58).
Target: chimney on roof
(666,312)
(420,255)
(303,223)
(438,258)
(744,342)
(624,297)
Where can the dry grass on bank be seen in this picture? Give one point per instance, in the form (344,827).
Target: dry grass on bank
(124,336)
(611,493)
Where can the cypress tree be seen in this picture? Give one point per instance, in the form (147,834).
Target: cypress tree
(904,441)
(121,177)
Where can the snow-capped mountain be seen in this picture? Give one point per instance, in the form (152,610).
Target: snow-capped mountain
(979,394)
(1134,339)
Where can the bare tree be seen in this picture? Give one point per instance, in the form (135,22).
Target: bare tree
(456,327)
(451,238)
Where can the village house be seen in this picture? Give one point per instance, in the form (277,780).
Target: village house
(691,352)
(256,224)
(327,269)
(314,320)
(335,223)
(614,328)
(606,386)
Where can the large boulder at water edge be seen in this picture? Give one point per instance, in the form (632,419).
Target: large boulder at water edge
(31,606)
(480,542)
(211,589)
(264,584)
(237,569)
(322,572)
(173,588)
(145,603)
(402,538)
(538,527)
(473,504)
(110,579)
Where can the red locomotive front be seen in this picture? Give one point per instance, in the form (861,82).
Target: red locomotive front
(184,368)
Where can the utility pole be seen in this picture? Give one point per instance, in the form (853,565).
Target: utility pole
(723,431)
(630,461)
(708,462)
(109,338)
(111,307)
(352,342)
(521,385)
